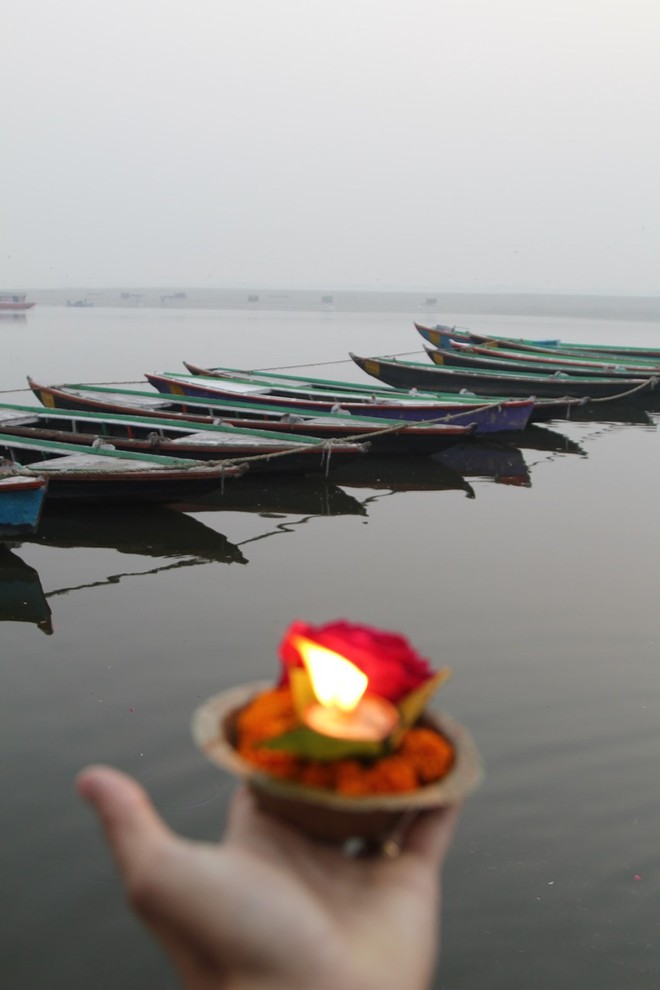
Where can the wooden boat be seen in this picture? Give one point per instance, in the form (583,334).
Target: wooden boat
(442,335)
(461,356)
(21,501)
(403,438)
(543,411)
(409,374)
(281,384)
(496,416)
(265,452)
(289,418)
(22,597)
(101,475)
(556,360)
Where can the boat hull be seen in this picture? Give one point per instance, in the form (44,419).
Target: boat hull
(443,336)
(77,473)
(21,502)
(404,439)
(491,420)
(468,360)
(409,375)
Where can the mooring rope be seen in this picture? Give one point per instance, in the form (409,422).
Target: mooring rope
(360,438)
(650,384)
(327,446)
(320,364)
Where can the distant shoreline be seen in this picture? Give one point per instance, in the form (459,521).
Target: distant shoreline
(425,305)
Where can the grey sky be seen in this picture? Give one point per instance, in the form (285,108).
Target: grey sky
(445,144)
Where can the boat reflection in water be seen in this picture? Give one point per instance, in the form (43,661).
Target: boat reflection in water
(611,412)
(179,539)
(541,438)
(502,463)
(22,598)
(303,496)
(280,499)
(403,474)
(6,316)
(502,460)
(174,536)
(142,531)
(154,532)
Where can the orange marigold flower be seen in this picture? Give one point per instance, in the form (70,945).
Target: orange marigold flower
(430,754)
(273,761)
(390,775)
(317,774)
(350,777)
(271,713)
(393,774)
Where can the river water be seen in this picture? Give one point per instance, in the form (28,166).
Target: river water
(533,572)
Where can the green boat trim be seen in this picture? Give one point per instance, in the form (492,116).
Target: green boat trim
(161,398)
(348,390)
(605,351)
(518,376)
(325,383)
(27,443)
(122,419)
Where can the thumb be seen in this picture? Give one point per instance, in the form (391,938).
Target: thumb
(133,828)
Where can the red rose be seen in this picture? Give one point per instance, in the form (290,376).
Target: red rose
(393,667)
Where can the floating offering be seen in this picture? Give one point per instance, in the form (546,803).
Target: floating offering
(342,746)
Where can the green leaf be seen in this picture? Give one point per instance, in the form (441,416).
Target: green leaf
(314,746)
(412,706)
(301,689)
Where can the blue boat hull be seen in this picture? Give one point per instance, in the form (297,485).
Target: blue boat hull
(20,507)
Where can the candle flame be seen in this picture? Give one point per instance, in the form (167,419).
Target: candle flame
(336,681)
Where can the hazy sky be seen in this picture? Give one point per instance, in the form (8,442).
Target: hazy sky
(439,144)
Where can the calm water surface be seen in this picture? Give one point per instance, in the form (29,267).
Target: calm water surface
(534,573)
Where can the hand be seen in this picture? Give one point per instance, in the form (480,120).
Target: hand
(270,908)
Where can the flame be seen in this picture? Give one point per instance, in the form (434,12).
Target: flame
(336,681)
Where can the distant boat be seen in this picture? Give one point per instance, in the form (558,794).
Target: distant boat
(79,303)
(14,301)
(21,501)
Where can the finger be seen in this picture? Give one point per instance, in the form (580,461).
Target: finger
(136,834)
(240,813)
(431,834)
(133,828)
